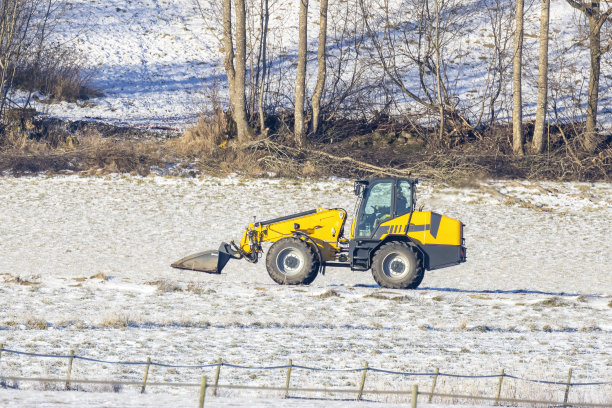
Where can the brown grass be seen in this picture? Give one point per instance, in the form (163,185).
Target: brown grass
(32,322)
(116,320)
(91,153)
(59,75)
(204,137)
(32,146)
(328,294)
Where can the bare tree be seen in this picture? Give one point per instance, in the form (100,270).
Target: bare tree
(9,33)
(438,65)
(300,80)
(235,65)
(265,17)
(322,61)
(538,132)
(500,21)
(351,91)
(517,65)
(411,43)
(596,18)
(25,28)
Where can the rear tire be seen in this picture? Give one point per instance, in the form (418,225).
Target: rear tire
(291,261)
(396,266)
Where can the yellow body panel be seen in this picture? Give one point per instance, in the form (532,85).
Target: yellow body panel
(323,227)
(422,227)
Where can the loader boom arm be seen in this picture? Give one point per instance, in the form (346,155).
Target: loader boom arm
(323,226)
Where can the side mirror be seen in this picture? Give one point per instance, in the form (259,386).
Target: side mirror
(358,189)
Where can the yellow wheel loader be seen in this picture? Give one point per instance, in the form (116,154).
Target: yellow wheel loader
(388,235)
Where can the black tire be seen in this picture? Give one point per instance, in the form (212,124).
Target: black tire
(291,261)
(396,266)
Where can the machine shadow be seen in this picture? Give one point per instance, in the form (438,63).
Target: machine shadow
(486,291)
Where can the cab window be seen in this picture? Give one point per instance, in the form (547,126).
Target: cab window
(376,208)
(402,198)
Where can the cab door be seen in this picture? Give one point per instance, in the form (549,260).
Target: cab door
(376,207)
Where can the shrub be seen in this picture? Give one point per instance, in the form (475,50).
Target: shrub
(58,74)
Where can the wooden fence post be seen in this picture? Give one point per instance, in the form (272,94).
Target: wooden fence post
(146,376)
(363,378)
(288,378)
(217,373)
(499,387)
(415,394)
(433,385)
(69,369)
(202,393)
(567,387)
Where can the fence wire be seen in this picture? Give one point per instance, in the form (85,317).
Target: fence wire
(321,390)
(302,367)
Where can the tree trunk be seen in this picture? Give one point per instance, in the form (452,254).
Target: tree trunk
(590,135)
(596,19)
(264,35)
(242,125)
(538,132)
(438,73)
(517,109)
(236,74)
(321,60)
(9,13)
(300,83)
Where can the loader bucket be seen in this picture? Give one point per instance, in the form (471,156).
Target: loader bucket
(206,261)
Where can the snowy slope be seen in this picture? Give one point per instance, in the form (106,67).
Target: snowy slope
(157,60)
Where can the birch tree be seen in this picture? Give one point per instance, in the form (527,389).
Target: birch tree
(438,64)
(300,80)
(517,105)
(538,132)
(321,73)
(235,65)
(265,17)
(596,18)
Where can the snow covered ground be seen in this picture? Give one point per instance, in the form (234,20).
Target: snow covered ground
(157,60)
(85,266)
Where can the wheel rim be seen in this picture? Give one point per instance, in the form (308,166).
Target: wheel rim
(396,266)
(289,261)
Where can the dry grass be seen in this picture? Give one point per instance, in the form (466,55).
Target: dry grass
(26,281)
(554,302)
(59,75)
(199,289)
(165,286)
(116,320)
(204,137)
(91,153)
(328,294)
(32,322)
(29,146)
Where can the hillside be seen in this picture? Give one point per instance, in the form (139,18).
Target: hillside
(158,62)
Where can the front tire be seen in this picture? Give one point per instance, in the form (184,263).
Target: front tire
(291,261)
(396,266)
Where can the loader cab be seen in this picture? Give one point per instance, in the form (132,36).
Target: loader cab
(381,199)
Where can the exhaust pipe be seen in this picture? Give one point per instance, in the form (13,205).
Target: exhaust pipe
(207,261)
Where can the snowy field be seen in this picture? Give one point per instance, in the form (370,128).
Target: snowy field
(85,266)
